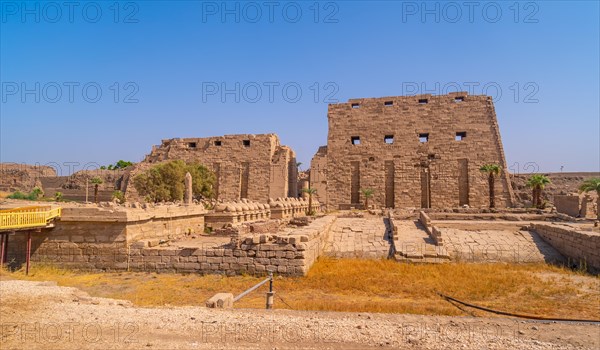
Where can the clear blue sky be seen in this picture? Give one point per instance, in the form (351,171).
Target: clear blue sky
(171,56)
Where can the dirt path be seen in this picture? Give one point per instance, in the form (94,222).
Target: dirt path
(40,315)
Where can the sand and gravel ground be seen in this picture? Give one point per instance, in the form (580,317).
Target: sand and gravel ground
(41,315)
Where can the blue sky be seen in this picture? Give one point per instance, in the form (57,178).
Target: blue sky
(162,67)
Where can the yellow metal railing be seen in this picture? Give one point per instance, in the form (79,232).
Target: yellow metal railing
(28,217)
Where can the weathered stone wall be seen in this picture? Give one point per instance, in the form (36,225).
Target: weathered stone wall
(99,238)
(579,246)
(256,167)
(22,177)
(73,187)
(291,253)
(125,245)
(567,204)
(318,174)
(407,150)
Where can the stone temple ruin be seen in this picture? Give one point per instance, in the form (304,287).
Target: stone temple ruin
(254,167)
(415,151)
(420,155)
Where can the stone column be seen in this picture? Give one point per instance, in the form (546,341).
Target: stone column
(188,195)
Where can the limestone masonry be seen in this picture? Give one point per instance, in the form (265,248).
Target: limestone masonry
(255,167)
(419,151)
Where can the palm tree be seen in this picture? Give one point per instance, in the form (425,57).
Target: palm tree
(97,182)
(310,192)
(590,185)
(492,171)
(537,183)
(367,193)
(298,164)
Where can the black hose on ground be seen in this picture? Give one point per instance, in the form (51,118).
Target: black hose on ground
(530,317)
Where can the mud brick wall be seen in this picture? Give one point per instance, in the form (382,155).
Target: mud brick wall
(99,238)
(580,246)
(256,167)
(376,143)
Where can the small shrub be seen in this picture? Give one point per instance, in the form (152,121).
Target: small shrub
(18,195)
(58,196)
(119,196)
(31,196)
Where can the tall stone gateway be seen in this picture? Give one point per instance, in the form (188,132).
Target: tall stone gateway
(419,151)
(256,167)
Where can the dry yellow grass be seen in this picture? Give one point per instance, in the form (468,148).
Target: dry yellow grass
(361,286)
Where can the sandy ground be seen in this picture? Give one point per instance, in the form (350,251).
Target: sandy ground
(41,315)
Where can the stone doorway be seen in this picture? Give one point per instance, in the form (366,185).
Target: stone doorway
(425,187)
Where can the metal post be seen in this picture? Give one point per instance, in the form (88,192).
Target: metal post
(270,293)
(1,249)
(5,247)
(28,252)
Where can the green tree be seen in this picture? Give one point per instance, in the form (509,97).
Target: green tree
(367,193)
(166,181)
(590,185)
(121,164)
(492,170)
(96,181)
(310,192)
(537,183)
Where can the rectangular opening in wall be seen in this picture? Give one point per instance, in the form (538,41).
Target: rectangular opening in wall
(192,144)
(355,140)
(459,99)
(463,182)
(356,105)
(246,143)
(218,143)
(425,188)
(245,172)
(355,182)
(389,139)
(460,135)
(424,137)
(388,103)
(389,184)
(423,101)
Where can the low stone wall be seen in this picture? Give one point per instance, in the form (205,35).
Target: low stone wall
(290,253)
(94,238)
(582,247)
(99,237)
(424,220)
(493,216)
(433,232)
